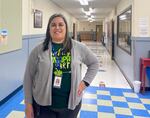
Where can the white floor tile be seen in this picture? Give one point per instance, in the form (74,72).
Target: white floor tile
(22,102)
(16,114)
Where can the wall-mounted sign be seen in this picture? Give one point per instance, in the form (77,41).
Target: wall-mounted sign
(37,19)
(3,36)
(143,27)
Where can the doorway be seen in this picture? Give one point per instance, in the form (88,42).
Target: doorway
(110,36)
(113,42)
(74,30)
(99,31)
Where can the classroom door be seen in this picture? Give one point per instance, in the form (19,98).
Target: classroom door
(74,31)
(113,42)
(99,31)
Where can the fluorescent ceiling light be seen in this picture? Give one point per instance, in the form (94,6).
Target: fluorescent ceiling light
(90,9)
(89,19)
(92,16)
(83,2)
(129,11)
(88,13)
(122,16)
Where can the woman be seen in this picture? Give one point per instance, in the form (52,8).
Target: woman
(52,83)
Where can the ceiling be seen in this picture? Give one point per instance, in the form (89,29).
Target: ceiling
(101,8)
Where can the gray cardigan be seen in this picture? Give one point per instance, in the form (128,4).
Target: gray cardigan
(38,74)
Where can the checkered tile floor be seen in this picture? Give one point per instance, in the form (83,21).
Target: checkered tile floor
(114,103)
(98,102)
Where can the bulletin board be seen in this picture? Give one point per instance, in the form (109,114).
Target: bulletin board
(10,25)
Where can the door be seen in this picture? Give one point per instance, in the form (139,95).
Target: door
(74,30)
(99,31)
(113,42)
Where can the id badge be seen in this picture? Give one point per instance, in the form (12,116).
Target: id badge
(57,82)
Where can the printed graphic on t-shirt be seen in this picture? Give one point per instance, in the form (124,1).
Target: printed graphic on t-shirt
(61,62)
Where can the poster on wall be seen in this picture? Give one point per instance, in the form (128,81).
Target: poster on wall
(37,19)
(143,27)
(3,37)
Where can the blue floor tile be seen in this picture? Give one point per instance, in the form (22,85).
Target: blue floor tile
(135,100)
(147,106)
(89,101)
(105,109)
(123,116)
(14,103)
(115,92)
(89,114)
(92,90)
(145,95)
(104,97)
(120,104)
(140,112)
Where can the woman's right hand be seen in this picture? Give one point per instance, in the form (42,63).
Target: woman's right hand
(29,113)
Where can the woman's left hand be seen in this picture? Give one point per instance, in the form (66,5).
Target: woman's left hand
(81,87)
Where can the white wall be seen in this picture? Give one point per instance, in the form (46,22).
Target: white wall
(139,11)
(48,8)
(141,34)
(123,4)
(112,14)
(0,12)
(123,59)
(25,16)
(88,26)
(141,14)
(110,17)
(11,19)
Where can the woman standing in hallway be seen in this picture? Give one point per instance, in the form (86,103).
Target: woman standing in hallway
(52,83)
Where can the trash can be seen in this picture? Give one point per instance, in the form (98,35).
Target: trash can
(137,86)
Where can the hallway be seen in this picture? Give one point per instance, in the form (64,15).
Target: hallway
(109,72)
(115,100)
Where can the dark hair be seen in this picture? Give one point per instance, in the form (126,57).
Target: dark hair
(67,42)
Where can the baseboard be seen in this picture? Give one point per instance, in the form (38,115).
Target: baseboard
(131,85)
(129,82)
(10,95)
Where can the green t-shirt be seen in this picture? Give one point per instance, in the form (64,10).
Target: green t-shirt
(60,96)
